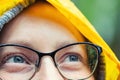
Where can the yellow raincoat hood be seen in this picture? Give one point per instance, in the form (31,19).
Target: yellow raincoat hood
(10,8)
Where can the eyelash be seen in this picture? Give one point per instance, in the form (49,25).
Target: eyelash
(10,55)
(64,56)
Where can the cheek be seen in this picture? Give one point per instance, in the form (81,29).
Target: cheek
(15,76)
(8,77)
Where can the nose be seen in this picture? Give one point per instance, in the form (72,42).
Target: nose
(47,70)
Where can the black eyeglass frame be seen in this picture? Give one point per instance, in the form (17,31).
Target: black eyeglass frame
(53,53)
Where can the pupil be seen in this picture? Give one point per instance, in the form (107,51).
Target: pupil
(73,58)
(18,59)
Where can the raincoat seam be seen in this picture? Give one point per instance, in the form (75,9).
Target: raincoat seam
(10,14)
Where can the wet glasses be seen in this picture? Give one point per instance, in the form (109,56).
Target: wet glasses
(75,61)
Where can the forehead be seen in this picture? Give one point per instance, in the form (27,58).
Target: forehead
(40,19)
(27,24)
(37,32)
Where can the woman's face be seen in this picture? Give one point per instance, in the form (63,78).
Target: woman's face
(42,35)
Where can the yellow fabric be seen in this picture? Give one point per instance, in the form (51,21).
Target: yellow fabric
(8,4)
(68,9)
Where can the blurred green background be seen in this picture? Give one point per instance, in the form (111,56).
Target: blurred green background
(105,17)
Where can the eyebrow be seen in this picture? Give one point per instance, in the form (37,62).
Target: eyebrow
(58,44)
(62,44)
(24,43)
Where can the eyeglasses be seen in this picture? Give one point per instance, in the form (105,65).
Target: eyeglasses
(75,61)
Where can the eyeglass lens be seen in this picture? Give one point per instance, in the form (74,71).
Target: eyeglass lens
(17,62)
(73,62)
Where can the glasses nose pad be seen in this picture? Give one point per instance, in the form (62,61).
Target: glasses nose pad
(41,55)
(37,63)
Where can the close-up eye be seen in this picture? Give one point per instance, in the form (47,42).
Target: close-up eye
(14,55)
(16,59)
(72,58)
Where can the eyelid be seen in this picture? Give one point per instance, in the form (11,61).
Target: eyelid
(23,42)
(63,56)
(10,55)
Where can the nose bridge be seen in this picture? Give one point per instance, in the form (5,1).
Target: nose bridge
(47,70)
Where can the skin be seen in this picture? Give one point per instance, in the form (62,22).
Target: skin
(42,34)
